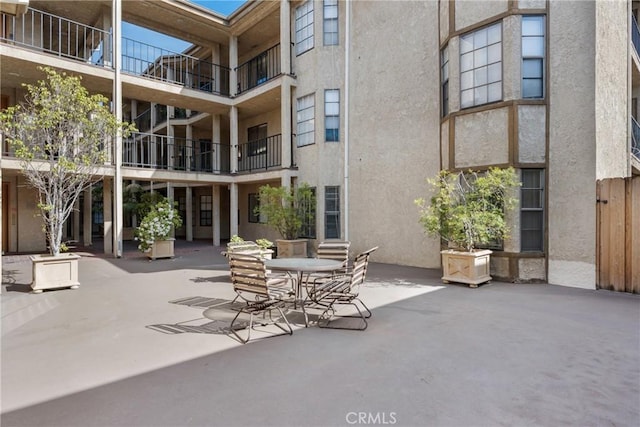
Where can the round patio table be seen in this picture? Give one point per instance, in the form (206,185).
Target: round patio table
(300,266)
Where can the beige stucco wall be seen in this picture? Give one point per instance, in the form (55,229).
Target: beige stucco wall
(531,269)
(393,141)
(482,138)
(511,57)
(444,144)
(532,4)
(28,223)
(531,133)
(469,12)
(572,162)
(612,102)
(444,20)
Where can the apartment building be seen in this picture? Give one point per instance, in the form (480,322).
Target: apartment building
(362,100)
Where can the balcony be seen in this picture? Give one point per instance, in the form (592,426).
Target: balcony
(143,120)
(144,150)
(259,69)
(57,36)
(635,138)
(261,154)
(153,62)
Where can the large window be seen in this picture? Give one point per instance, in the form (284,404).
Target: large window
(304,27)
(532,210)
(257,140)
(481,66)
(206,210)
(533,56)
(308,207)
(330,22)
(305,110)
(332,115)
(444,75)
(332,212)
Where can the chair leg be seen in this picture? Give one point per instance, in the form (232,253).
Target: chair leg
(328,322)
(233,331)
(286,321)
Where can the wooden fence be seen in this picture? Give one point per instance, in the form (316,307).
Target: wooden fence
(618,234)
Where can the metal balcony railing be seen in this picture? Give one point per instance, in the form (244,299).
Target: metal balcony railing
(261,154)
(259,69)
(635,138)
(144,150)
(58,36)
(153,62)
(635,35)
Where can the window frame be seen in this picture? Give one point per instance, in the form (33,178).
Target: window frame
(330,38)
(308,229)
(332,215)
(530,57)
(206,220)
(476,54)
(540,209)
(335,131)
(444,80)
(302,136)
(303,21)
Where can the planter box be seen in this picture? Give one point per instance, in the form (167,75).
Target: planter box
(471,268)
(161,249)
(54,272)
(292,248)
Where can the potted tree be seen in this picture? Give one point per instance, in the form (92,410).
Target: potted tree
(154,231)
(467,210)
(286,210)
(60,134)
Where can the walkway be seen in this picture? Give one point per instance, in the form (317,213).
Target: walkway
(131,348)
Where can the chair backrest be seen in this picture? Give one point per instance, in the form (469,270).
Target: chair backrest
(359,269)
(248,274)
(246,247)
(338,250)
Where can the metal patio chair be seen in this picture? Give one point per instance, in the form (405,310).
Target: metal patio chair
(341,289)
(337,250)
(260,292)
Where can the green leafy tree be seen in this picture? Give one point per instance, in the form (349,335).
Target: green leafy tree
(60,134)
(468,209)
(286,209)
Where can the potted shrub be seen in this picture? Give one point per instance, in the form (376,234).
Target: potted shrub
(58,133)
(286,210)
(467,210)
(155,229)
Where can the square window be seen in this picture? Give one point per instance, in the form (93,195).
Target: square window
(481,66)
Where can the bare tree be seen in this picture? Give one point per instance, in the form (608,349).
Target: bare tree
(61,134)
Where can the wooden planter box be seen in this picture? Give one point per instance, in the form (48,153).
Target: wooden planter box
(292,248)
(54,272)
(161,249)
(471,268)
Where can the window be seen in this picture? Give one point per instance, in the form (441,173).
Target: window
(305,117)
(304,27)
(206,210)
(533,56)
(332,212)
(308,208)
(481,66)
(257,140)
(332,115)
(330,23)
(253,204)
(182,209)
(444,75)
(532,210)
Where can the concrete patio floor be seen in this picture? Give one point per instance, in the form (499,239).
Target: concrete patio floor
(132,347)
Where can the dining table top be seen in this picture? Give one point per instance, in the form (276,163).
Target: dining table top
(303,264)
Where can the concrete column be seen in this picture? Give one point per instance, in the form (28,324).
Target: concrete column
(107,215)
(285,124)
(171,198)
(233,64)
(117,152)
(215,68)
(233,133)
(233,207)
(285,37)
(188,221)
(108,42)
(216,153)
(87,218)
(215,198)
